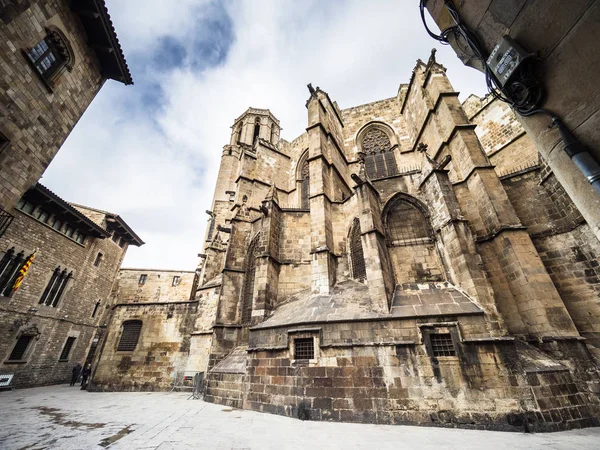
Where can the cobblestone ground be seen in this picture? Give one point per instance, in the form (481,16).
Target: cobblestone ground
(61,417)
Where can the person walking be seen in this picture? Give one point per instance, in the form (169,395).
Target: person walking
(85,375)
(75,374)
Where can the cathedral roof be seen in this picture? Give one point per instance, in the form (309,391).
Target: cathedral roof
(350,301)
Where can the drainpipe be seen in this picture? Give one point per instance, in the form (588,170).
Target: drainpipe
(579,154)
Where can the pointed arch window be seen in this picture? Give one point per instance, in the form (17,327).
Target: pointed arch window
(407,225)
(357,256)
(248,290)
(305,185)
(379,155)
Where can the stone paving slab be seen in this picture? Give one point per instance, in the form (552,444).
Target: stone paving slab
(63,417)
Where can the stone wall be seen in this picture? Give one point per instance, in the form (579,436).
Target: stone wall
(486,385)
(160,286)
(72,317)
(35,120)
(161,351)
(564,41)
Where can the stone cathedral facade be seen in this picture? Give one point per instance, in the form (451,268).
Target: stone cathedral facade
(410,260)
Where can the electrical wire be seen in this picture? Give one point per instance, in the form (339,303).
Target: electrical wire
(525,94)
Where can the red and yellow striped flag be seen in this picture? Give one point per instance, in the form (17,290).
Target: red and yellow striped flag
(23,271)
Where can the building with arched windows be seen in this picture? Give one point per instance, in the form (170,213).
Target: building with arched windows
(410,260)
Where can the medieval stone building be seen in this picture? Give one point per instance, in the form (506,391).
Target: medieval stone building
(151,331)
(410,260)
(54,58)
(54,319)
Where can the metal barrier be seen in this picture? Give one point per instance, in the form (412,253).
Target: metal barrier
(198,386)
(6,381)
(184,380)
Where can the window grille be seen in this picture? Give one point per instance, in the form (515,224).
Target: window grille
(20,348)
(442,345)
(64,355)
(3,144)
(304,348)
(248,291)
(130,336)
(379,156)
(406,225)
(305,186)
(357,257)
(143,278)
(10,264)
(56,287)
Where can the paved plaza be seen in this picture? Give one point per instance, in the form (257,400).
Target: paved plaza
(63,417)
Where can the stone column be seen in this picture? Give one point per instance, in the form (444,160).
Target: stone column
(504,242)
(456,242)
(380,275)
(323,259)
(267,264)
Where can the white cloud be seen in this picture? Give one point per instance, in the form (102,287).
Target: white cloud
(155,162)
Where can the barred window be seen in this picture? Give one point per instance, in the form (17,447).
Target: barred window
(442,345)
(304,348)
(10,264)
(20,348)
(130,336)
(407,225)
(248,291)
(64,355)
(176,280)
(379,156)
(3,142)
(357,257)
(55,288)
(305,186)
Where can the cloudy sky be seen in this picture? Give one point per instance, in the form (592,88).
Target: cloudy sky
(150,152)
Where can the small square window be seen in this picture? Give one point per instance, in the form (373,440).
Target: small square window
(122,242)
(442,345)
(176,280)
(115,238)
(304,348)
(98,259)
(80,237)
(143,278)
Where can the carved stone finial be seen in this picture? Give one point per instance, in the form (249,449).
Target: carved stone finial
(311,89)
(422,148)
